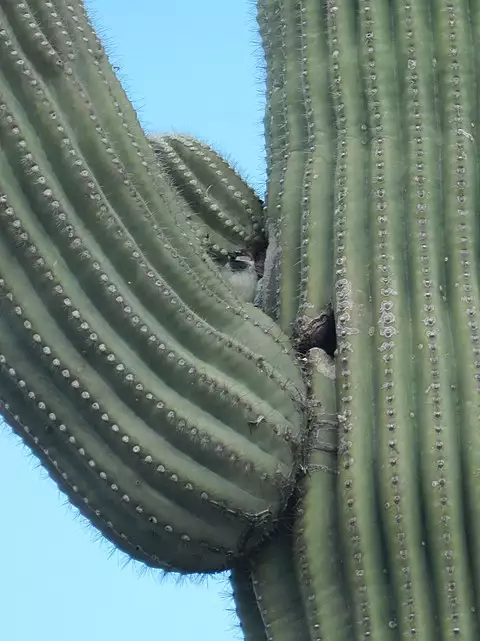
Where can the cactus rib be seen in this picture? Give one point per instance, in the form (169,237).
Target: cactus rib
(356,481)
(277,590)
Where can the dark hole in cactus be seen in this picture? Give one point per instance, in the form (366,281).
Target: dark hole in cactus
(259,253)
(317,332)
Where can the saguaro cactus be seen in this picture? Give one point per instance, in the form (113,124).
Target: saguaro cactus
(323,448)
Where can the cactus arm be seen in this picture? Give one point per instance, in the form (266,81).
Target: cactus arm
(300,167)
(318,556)
(228,211)
(152,395)
(224,212)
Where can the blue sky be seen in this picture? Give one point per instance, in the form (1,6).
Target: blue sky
(188,66)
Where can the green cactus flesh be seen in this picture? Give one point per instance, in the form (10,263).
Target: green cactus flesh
(169,413)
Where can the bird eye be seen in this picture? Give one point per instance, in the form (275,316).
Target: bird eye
(238,264)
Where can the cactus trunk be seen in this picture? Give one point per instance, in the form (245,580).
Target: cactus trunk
(383,97)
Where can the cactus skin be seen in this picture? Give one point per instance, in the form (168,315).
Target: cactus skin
(355,527)
(169,412)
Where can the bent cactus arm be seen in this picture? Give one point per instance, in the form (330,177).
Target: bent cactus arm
(224,212)
(170,412)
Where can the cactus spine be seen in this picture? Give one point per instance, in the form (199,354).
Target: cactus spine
(338,480)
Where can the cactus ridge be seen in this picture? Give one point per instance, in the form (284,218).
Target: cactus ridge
(275,139)
(228,214)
